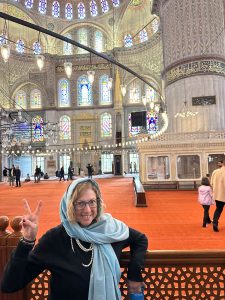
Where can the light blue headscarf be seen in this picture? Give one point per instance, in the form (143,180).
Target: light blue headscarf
(105,272)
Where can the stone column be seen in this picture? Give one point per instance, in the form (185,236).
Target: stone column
(194,61)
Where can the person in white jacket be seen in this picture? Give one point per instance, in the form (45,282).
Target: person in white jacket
(205,198)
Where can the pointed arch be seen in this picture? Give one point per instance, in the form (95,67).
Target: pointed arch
(84,90)
(35,99)
(63,93)
(64,128)
(105,93)
(21,100)
(106,125)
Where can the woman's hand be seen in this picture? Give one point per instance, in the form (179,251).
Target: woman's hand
(135,286)
(30,221)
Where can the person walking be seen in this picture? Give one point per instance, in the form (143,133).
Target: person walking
(61,174)
(218,186)
(18,175)
(4,173)
(205,198)
(11,175)
(90,170)
(82,253)
(37,174)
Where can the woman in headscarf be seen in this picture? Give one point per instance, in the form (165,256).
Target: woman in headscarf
(82,253)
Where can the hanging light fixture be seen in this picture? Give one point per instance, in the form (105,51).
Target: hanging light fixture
(110,83)
(5,52)
(185,111)
(123,88)
(91,76)
(40,59)
(68,67)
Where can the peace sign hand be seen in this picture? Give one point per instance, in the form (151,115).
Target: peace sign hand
(30,221)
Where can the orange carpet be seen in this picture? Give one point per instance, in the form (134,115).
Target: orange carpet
(172,220)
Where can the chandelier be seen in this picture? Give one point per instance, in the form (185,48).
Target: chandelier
(185,112)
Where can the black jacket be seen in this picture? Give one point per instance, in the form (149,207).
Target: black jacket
(69,279)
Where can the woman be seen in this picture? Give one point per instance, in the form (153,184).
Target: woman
(81,253)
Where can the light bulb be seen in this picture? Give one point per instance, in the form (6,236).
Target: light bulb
(123,88)
(91,76)
(40,61)
(110,83)
(5,52)
(68,67)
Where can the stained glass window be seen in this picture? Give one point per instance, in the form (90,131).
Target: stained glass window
(134,93)
(98,41)
(3,39)
(20,99)
(36,48)
(105,6)
(155,25)
(29,3)
(63,93)
(128,42)
(69,11)
(106,125)
(81,10)
(55,9)
(143,35)
(116,3)
(84,91)
(20,46)
(152,122)
(82,36)
(64,128)
(67,48)
(37,129)
(150,93)
(105,93)
(42,7)
(35,99)
(132,130)
(93,8)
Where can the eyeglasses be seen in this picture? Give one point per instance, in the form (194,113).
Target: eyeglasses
(82,204)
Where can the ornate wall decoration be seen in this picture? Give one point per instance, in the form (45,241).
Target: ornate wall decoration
(203,67)
(205,100)
(60,69)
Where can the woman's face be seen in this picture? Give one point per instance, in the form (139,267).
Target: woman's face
(85,208)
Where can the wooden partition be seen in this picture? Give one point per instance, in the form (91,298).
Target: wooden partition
(169,275)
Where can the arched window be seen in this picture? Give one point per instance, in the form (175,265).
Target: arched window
(105,6)
(36,48)
(134,93)
(116,3)
(69,11)
(64,128)
(98,41)
(37,129)
(128,42)
(132,130)
(93,8)
(82,36)
(29,3)
(20,99)
(81,10)
(55,9)
(67,48)
(35,99)
(63,93)
(143,35)
(105,93)
(42,7)
(150,93)
(20,46)
(84,91)
(106,125)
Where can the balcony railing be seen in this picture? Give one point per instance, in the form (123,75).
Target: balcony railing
(169,275)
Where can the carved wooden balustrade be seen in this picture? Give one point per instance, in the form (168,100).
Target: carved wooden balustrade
(169,275)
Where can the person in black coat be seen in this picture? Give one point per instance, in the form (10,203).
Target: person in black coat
(61,174)
(90,170)
(82,253)
(18,175)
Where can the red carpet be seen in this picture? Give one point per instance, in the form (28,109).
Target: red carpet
(172,220)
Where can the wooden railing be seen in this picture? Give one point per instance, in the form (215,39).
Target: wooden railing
(139,193)
(169,275)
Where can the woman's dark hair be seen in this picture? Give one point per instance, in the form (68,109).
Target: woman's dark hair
(205,181)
